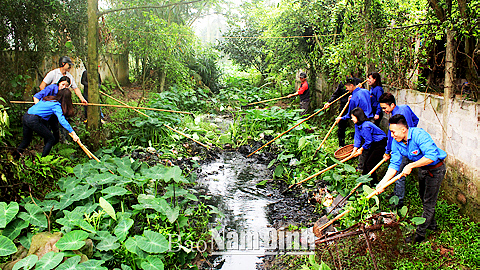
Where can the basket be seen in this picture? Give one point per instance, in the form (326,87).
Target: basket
(343,152)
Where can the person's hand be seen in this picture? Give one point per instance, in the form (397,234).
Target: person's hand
(376,117)
(386,156)
(359,85)
(85,102)
(338,119)
(291,95)
(379,189)
(358,152)
(350,97)
(326,105)
(407,169)
(74,136)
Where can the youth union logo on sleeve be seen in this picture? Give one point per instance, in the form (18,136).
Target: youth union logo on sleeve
(415,152)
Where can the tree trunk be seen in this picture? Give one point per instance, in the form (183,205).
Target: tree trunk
(93,112)
(449,80)
(163,76)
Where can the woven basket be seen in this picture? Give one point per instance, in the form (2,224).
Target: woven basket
(343,152)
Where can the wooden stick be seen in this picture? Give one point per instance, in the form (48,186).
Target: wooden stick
(263,101)
(185,135)
(357,186)
(331,129)
(130,107)
(318,173)
(111,105)
(295,126)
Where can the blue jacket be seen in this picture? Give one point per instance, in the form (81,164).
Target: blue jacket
(51,90)
(360,98)
(369,132)
(375,94)
(45,109)
(412,121)
(419,144)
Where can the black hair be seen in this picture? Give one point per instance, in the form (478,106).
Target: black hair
(63,60)
(359,114)
(350,80)
(64,97)
(303,75)
(387,98)
(64,78)
(378,79)
(398,119)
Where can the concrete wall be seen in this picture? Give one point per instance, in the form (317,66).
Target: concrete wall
(462,145)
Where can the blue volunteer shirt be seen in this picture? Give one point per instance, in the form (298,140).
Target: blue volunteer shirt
(369,132)
(45,109)
(375,94)
(360,98)
(412,121)
(50,90)
(419,144)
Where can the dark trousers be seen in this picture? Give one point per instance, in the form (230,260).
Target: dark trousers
(304,104)
(342,127)
(373,156)
(379,120)
(429,182)
(35,123)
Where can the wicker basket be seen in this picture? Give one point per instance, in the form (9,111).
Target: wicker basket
(343,152)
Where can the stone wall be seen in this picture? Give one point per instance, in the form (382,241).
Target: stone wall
(462,143)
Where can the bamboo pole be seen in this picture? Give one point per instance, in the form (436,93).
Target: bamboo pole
(318,173)
(331,129)
(295,126)
(111,105)
(263,101)
(123,103)
(185,135)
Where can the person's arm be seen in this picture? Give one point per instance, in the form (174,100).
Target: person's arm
(80,96)
(368,137)
(84,79)
(417,164)
(43,93)
(35,100)
(352,105)
(302,88)
(388,175)
(414,117)
(42,85)
(57,110)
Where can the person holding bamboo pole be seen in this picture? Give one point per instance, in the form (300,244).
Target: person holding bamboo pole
(376,90)
(36,120)
(369,139)
(303,92)
(418,146)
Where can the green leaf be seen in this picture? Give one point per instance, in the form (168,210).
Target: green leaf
(49,260)
(302,143)
(364,179)
(70,219)
(174,173)
(85,225)
(403,211)
(26,241)
(26,263)
(349,168)
(72,240)
(324,266)
(7,247)
(418,220)
(83,192)
(108,243)
(114,191)
(393,200)
(262,183)
(153,263)
(172,214)
(152,242)
(132,245)
(107,207)
(122,228)
(14,229)
(125,267)
(34,215)
(313,262)
(278,171)
(69,264)
(271,163)
(7,213)
(126,172)
(91,265)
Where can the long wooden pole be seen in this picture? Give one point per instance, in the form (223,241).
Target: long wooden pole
(123,103)
(111,105)
(331,129)
(185,135)
(263,101)
(295,126)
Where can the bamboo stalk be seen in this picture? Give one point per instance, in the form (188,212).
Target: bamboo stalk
(263,101)
(331,129)
(111,105)
(130,107)
(295,126)
(185,135)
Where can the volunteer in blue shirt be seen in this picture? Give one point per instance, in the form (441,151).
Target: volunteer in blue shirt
(389,106)
(360,98)
(417,145)
(37,116)
(369,139)
(376,90)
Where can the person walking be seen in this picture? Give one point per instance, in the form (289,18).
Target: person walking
(418,146)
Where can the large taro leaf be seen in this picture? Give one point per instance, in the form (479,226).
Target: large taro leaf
(26,263)
(7,247)
(158,204)
(155,172)
(153,263)
(70,264)
(152,242)
(108,243)
(174,189)
(103,179)
(91,265)
(85,225)
(65,183)
(34,215)
(7,213)
(107,207)
(83,192)
(82,170)
(364,179)
(72,240)
(14,229)
(70,219)
(114,191)
(49,261)
(26,240)
(174,173)
(122,228)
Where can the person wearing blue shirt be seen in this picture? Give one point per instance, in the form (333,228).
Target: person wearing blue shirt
(389,106)
(36,119)
(360,98)
(375,82)
(369,139)
(418,146)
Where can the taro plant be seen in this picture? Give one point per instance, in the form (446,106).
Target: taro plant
(122,211)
